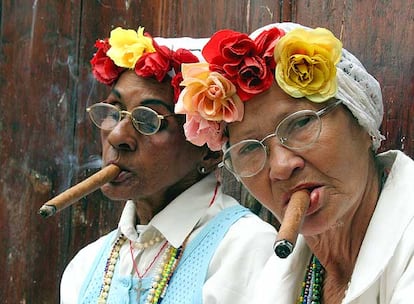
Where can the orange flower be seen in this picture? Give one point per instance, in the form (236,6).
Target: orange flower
(209,94)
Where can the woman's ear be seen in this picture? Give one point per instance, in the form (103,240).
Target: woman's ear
(210,161)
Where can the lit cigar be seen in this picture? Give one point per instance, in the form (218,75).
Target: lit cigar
(289,229)
(73,194)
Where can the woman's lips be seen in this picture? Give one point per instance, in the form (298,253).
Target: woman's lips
(314,194)
(314,203)
(122,177)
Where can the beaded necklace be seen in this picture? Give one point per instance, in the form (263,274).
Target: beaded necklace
(312,283)
(109,269)
(143,245)
(163,275)
(140,276)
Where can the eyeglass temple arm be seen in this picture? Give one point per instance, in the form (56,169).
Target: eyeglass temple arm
(329,107)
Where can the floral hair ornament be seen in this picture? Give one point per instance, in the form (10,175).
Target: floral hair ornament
(237,69)
(137,50)
(306,63)
(303,62)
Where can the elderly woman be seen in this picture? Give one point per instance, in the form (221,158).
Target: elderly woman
(180,239)
(297,112)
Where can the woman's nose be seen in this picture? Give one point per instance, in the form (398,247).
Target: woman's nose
(282,162)
(123,136)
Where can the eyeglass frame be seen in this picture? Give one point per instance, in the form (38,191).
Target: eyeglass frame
(320,113)
(123,113)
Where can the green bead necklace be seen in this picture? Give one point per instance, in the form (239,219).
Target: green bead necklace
(312,283)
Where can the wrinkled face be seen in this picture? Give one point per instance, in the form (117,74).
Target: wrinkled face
(334,169)
(151,165)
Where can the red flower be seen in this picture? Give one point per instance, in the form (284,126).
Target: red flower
(227,46)
(103,68)
(155,64)
(182,56)
(225,50)
(254,78)
(248,64)
(175,83)
(265,45)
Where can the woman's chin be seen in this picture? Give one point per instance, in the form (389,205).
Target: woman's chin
(114,193)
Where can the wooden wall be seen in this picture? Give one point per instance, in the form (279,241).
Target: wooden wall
(47,142)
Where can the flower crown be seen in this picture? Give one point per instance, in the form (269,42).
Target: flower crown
(130,49)
(237,68)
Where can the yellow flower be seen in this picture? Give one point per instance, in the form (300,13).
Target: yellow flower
(306,63)
(127,46)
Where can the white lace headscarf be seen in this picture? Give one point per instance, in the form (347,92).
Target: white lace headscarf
(357,89)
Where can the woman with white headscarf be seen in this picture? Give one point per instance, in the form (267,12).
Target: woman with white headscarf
(296,112)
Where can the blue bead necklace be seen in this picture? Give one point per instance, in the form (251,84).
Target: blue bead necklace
(312,283)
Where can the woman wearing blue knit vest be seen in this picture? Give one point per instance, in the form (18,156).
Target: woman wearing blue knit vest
(179,239)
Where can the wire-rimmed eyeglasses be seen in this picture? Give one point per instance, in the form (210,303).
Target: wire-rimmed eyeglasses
(297,131)
(145,120)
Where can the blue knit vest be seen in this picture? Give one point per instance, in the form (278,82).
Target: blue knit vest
(188,279)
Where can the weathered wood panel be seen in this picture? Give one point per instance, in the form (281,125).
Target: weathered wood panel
(37,71)
(47,142)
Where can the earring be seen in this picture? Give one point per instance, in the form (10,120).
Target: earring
(202,170)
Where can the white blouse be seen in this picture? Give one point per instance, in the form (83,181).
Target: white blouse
(233,269)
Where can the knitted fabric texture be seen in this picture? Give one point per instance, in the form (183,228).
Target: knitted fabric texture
(186,285)
(359,91)
(187,282)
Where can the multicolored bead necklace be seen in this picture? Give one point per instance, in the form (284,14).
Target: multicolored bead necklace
(164,273)
(109,269)
(312,284)
(162,276)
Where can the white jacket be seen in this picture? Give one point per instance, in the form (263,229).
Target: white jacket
(384,270)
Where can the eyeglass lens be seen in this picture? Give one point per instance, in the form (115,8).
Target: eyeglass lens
(296,131)
(245,158)
(146,120)
(106,117)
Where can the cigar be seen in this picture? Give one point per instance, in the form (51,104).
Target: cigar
(289,229)
(73,194)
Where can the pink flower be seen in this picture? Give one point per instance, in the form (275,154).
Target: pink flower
(200,131)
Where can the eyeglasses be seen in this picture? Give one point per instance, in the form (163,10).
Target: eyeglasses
(297,131)
(145,120)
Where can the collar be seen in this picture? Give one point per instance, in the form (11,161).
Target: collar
(177,220)
(389,221)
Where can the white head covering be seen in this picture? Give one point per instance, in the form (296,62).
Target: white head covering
(194,45)
(357,89)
